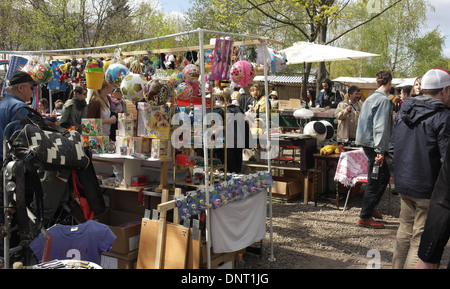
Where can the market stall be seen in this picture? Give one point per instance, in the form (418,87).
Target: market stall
(130,154)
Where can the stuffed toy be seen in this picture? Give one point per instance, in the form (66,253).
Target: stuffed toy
(190,57)
(170,61)
(159,62)
(73,69)
(179,61)
(147,68)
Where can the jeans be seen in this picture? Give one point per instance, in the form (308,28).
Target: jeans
(413,215)
(374,188)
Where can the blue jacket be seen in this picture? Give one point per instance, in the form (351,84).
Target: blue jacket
(375,122)
(331,98)
(419,145)
(8,108)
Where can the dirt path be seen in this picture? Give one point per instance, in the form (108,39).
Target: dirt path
(323,237)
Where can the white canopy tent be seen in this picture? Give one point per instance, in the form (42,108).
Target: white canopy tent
(371,83)
(306,52)
(201,34)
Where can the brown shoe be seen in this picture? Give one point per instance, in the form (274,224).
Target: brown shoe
(371,223)
(377,215)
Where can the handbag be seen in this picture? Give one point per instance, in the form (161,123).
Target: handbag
(48,145)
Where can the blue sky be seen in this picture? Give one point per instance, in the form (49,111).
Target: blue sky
(438,17)
(175,5)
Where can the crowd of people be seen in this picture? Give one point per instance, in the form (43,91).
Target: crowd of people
(413,130)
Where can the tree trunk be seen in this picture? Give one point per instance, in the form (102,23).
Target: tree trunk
(322,70)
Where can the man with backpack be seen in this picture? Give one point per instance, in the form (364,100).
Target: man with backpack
(19,92)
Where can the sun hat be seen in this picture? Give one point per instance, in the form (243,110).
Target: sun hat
(436,79)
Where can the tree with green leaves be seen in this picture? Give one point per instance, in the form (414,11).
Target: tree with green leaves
(289,20)
(396,37)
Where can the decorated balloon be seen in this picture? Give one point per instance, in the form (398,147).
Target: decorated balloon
(30,70)
(195,88)
(175,79)
(191,73)
(242,73)
(115,74)
(157,91)
(131,86)
(184,91)
(43,72)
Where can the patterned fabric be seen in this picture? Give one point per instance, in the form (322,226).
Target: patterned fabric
(351,168)
(49,148)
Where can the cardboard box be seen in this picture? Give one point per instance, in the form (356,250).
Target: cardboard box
(219,260)
(287,187)
(161,149)
(110,260)
(92,126)
(98,144)
(126,227)
(146,145)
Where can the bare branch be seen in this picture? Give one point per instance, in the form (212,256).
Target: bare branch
(364,22)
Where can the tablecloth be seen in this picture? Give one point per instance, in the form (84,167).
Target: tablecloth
(351,168)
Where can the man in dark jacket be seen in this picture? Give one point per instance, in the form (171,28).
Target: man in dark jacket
(419,142)
(328,98)
(437,231)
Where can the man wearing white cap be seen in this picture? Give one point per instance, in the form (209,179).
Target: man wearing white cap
(419,145)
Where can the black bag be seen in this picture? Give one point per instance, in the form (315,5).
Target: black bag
(48,145)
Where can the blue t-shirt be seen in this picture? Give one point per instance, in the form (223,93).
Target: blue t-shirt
(9,106)
(85,242)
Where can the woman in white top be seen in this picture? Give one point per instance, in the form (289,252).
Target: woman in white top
(100,107)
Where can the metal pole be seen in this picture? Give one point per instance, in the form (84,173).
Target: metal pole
(205,150)
(269,163)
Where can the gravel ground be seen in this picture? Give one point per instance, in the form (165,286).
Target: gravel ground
(306,236)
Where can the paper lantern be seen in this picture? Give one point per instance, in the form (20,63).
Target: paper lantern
(175,79)
(184,91)
(191,73)
(131,86)
(157,92)
(115,74)
(242,73)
